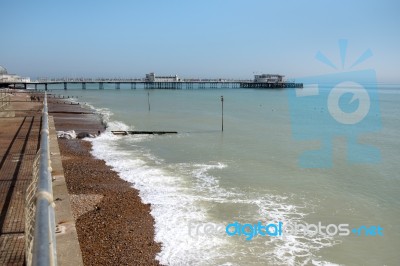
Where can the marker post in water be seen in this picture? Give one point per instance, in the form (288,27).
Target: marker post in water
(222,103)
(148,99)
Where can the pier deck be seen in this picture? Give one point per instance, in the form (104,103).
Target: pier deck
(177,85)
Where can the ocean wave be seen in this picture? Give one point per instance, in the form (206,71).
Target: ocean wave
(183,194)
(104,113)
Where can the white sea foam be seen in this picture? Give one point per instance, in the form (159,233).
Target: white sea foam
(179,195)
(173,206)
(176,203)
(105,113)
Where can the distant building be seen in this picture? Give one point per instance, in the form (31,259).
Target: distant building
(3,71)
(151,77)
(10,78)
(268,78)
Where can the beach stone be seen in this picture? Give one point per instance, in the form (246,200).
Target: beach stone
(84,135)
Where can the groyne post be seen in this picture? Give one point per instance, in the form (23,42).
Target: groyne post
(222,105)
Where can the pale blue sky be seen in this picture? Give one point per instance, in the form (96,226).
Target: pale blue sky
(208,38)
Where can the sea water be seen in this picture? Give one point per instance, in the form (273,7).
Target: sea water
(202,179)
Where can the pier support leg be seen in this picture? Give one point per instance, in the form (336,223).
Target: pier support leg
(101,86)
(65,85)
(45,86)
(83,85)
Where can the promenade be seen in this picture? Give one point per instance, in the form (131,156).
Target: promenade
(19,142)
(86,211)
(20,125)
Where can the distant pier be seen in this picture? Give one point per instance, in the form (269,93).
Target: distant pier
(264,81)
(179,85)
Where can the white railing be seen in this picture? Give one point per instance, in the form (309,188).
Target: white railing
(40,246)
(30,211)
(4,99)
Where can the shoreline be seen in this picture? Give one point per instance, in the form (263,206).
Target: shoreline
(113,224)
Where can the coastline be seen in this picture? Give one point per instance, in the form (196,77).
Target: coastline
(113,224)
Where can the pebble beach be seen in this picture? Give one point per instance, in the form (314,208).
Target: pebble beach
(113,225)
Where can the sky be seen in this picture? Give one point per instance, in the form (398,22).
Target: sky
(197,39)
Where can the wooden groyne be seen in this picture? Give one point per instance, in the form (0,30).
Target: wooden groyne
(130,132)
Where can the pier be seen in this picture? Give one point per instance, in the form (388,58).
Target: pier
(151,81)
(178,85)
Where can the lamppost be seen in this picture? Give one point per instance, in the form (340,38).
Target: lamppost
(222,105)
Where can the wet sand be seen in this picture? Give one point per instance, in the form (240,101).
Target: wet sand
(113,225)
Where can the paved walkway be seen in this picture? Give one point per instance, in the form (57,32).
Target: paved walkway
(19,142)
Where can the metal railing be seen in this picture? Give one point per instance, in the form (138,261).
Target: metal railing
(40,245)
(4,99)
(30,210)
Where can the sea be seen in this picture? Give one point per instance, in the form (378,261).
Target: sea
(210,190)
